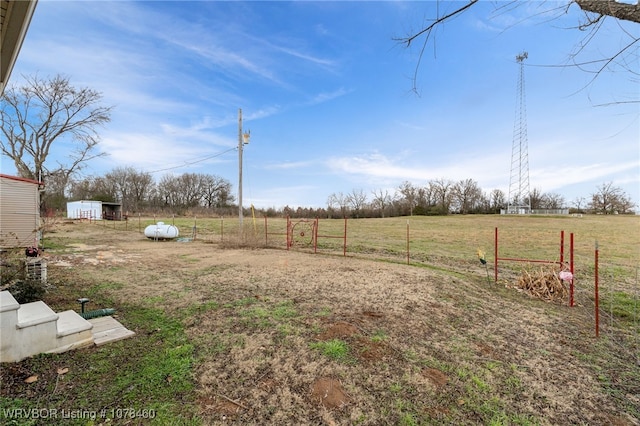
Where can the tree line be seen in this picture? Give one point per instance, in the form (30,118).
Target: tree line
(138,192)
(443,197)
(191,193)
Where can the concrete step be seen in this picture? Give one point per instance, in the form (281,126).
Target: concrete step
(70,322)
(8,313)
(34,332)
(35,313)
(73,332)
(8,302)
(34,328)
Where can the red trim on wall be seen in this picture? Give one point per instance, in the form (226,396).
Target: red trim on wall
(35,182)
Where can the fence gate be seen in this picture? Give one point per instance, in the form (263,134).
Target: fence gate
(302,232)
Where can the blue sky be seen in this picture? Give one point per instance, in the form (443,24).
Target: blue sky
(326,93)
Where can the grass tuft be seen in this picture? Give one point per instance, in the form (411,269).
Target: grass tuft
(335,349)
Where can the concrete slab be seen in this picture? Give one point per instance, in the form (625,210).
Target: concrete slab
(108,329)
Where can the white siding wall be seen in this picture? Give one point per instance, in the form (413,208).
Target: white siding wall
(19,213)
(85,209)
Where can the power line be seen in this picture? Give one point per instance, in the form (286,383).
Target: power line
(189,163)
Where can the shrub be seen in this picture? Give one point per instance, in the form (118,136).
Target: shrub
(26,291)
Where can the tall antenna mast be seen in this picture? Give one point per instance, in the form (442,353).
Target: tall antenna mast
(519,195)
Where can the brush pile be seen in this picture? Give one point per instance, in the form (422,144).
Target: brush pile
(545,285)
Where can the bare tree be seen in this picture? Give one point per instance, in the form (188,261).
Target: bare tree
(425,200)
(93,188)
(358,199)
(142,186)
(467,195)
(609,199)
(535,199)
(484,203)
(180,192)
(169,191)
(43,119)
(217,191)
(498,200)
(595,13)
(132,188)
(340,201)
(579,203)
(553,201)
(191,187)
(381,200)
(442,192)
(56,191)
(410,194)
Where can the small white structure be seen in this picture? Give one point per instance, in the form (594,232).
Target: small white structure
(161,231)
(84,209)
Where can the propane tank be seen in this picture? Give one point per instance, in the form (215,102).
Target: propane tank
(161,231)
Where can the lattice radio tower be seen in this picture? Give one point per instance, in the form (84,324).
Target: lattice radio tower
(519,195)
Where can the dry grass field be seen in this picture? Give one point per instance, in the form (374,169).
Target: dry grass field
(231,333)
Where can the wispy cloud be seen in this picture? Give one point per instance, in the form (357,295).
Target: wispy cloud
(328,96)
(488,170)
(289,165)
(157,152)
(377,165)
(556,178)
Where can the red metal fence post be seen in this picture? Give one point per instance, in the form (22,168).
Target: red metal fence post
(495,254)
(266,234)
(288,232)
(315,235)
(573,276)
(408,243)
(596,292)
(561,248)
(344,249)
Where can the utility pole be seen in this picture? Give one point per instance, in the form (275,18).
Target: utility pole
(243,139)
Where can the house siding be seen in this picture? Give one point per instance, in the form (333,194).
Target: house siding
(19,212)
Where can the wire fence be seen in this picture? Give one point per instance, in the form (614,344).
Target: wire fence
(452,244)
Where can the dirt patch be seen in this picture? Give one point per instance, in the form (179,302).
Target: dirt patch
(220,406)
(329,392)
(436,376)
(339,330)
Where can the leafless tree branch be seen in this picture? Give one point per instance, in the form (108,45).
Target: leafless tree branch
(595,11)
(41,116)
